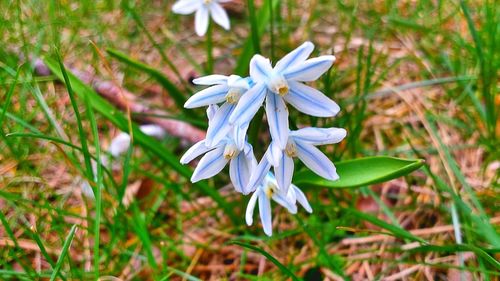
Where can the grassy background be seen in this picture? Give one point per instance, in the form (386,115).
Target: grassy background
(415,79)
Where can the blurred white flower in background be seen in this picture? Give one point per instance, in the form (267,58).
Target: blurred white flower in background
(203,9)
(118,146)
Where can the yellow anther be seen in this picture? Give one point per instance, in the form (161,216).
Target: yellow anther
(269,192)
(233,95)
(279,85)
(283,90)
(291,149)
(230,151)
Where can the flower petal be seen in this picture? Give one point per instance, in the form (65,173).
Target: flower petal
(185,7)
(214,79)
(194,151)
(153,130)
(237,81)
(260,68)
(319,136)
(239,135)
(284,173)
(201,20)
(277,118)
(300,54)
(315,160)
(248,104)
(251,207)
(274,154)
(283,201)
(310,100)
(310,70)
(211,110)
(302,199)
(240,169)
(258,174)
(211,164)
(219,15)
(119,144)
(265,214)
(284,198)
(219,125)
(211,95)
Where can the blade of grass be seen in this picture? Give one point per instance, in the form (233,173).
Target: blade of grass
(209,43)
(64,251)
(98,179)
(283,268)
(12,237)
(459,248)
(140,228)
(397,231)
(8,97)
(481,219)
(81,132)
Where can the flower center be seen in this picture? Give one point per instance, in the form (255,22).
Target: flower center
(234,95)
(207,2)
(270,190)
(230,151)
(279,85)
(291,149)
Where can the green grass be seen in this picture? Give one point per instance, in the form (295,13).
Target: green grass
(54,131)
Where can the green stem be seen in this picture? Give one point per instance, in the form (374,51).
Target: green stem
(210,58)
(253,26)
(271,26)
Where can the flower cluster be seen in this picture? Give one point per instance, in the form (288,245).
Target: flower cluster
(232,103)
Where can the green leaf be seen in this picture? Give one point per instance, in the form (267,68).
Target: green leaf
(362,171)
(269,257)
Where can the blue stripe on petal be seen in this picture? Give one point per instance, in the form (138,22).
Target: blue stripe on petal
(248,105)
(311,101)
(307,99)
(296,56)
(210,95)
(219,125)
(309,70)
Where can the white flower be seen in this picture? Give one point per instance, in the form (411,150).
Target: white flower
(203,9)
(268,190)
(284,83)
(224,88)
(241,160)
(301,144)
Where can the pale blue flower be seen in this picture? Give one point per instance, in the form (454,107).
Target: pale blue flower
(241,161)
(204,9)
(225,88)
(284,83)
(301,144)
(267,190)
